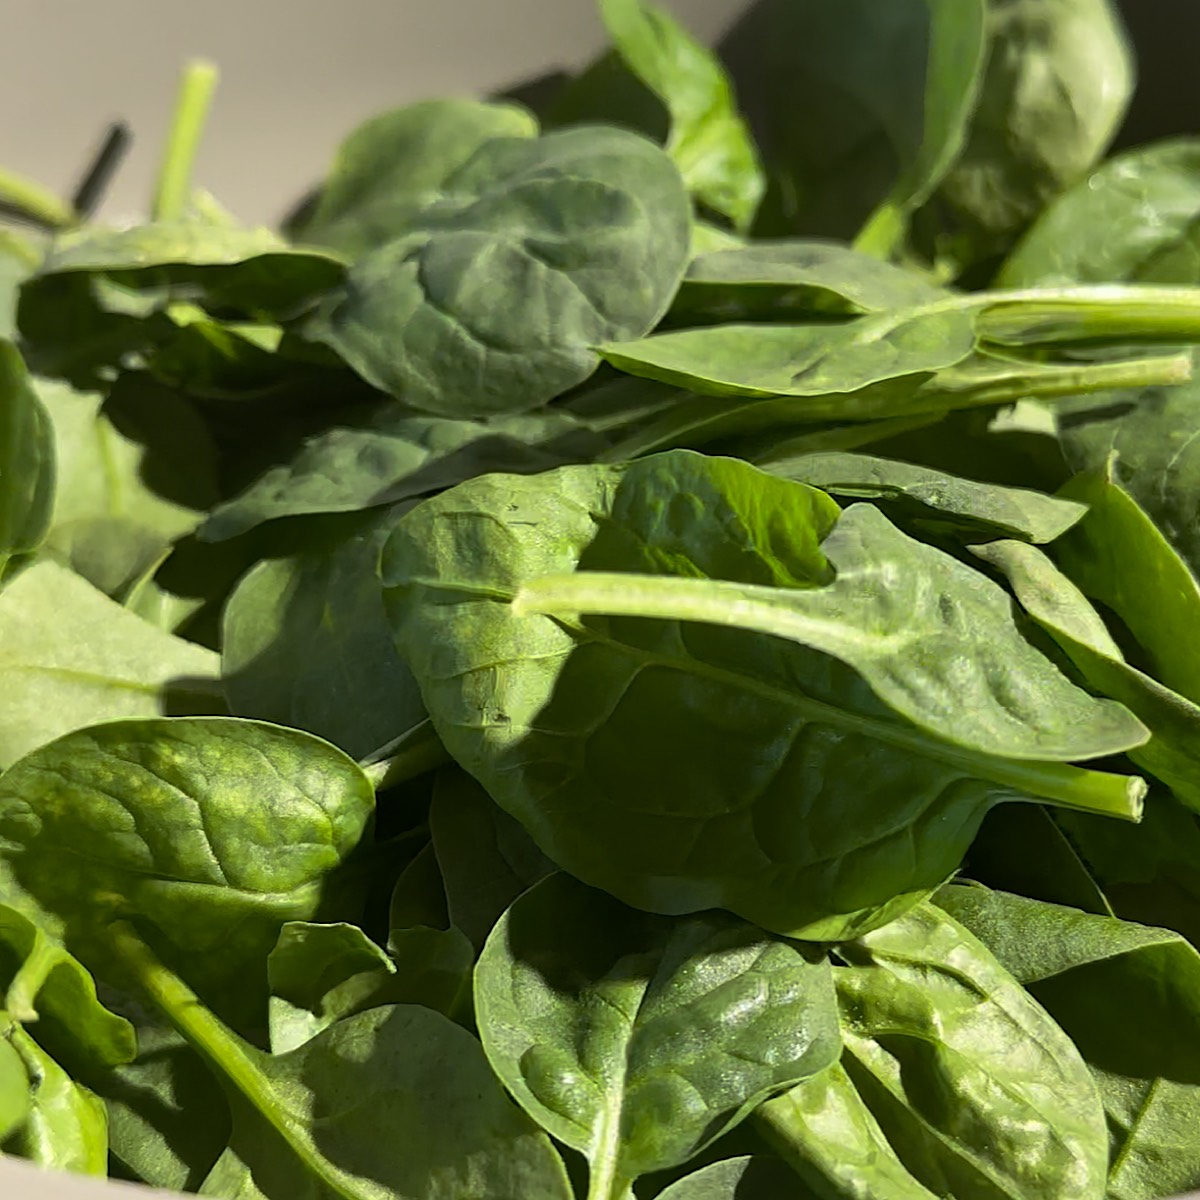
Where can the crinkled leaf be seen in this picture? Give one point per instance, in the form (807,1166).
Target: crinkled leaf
(211,831)
(685,766)
(639,1039)
(70,656)
(537,251)
(981,1095)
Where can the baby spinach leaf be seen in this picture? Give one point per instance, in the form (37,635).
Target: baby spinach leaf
(323,1120)
(979,1092)
(638,1039)
(1091,972)
(1173,751)
(306,643)
(19,258)
(394,455)
(537,250)
(395,165)
(27,461)
(934,498)
(1116,555)
(66,1127)
(250,270)
(684,766)
(800,360)
(708,140)
(487,860)
(70,656)
(1056,83)
(768,279)
(1146,200)
(136,470)
(754,1177)
(822,1129)
(212,832)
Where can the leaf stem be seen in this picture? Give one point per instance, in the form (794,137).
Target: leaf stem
(410,756)
(883,232)
(35,202)
(756,608)
(196,89)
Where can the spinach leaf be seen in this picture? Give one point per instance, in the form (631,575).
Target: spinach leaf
(66,1126)
(395,165)
(1116,555)
(708,140)
(137,468)
(825,1132)
(1056,84)
(935,499)
(686,766)
(19,258)
(306,643)
(1146,200)
(1091,972)
(395,455)
(486,859)
(323,1119)
(980,1093)
(754,1177)
(15,1100)
(70,656)
(537,250)
(27,461)
(211,831)
(801,360)
(1060,608)
(638,1039)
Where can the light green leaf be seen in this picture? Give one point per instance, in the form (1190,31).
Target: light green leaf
(1091,973)
(14,1087)
(27,461)
(981,1094)
(636,1039)
(749,1178)
(537,250)
(1146,200)
(684,766)
(212,832)
(708,140)
(67,1127)
(70,657)
(934,499)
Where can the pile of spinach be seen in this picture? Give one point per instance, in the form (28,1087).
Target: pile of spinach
(616,657)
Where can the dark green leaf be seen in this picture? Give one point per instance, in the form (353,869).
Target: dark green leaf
(536,251)
(638,1039)
(688,766)
(306,643)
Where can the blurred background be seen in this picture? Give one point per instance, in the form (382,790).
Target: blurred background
(298,74)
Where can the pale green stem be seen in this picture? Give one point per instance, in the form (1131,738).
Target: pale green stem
(191,110)
(883,232)
(413,755)
(757,608)
(36,202)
